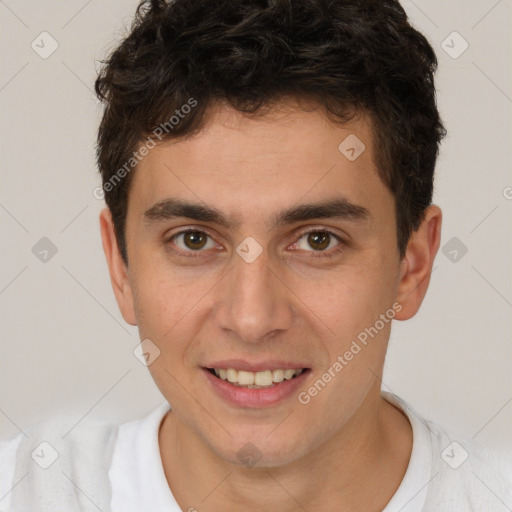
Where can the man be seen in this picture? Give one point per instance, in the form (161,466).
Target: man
(268,173)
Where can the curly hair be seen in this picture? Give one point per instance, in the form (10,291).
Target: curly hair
(345,55)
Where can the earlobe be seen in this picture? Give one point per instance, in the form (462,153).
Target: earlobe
(416,267)
(117,268)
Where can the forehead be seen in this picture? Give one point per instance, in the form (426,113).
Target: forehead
(253,167)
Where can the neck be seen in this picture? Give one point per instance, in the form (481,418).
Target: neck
(359,467)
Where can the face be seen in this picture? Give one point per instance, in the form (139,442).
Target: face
(285,253)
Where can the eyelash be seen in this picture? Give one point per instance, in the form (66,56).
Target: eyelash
(316,254)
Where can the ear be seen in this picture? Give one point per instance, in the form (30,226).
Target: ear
(416,266)
(117,268)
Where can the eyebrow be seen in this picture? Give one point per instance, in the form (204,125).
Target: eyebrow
(339,208)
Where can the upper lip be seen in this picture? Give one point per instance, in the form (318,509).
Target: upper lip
(241,364)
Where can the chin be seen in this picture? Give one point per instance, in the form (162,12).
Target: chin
(260,452)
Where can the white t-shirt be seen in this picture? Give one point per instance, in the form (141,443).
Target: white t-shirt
(443,474)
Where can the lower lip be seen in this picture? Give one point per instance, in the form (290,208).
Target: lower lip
(255,398)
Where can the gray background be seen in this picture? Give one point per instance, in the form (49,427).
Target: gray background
(64,344)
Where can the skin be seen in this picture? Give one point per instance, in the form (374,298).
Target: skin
(347,449)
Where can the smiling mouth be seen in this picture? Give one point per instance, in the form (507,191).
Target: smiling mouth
(256,380)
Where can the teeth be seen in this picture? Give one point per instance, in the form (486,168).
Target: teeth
(278,375)
(255,380)
(288,374)
(262,378)
(232,375)
(245,378)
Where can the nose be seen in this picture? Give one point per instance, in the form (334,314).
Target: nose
(255,303)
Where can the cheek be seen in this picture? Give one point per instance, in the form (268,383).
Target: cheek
(165,313)
(344,309)
(159,304)
(162,294)
(342,299)
(170,307)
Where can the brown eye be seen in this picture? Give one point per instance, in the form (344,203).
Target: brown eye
(319,242)
(192,241)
